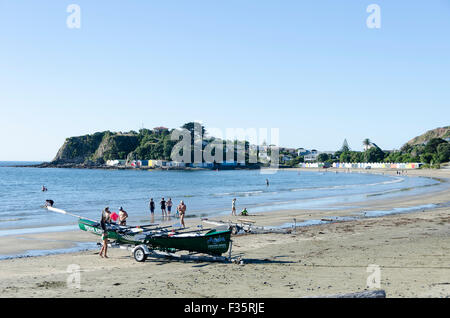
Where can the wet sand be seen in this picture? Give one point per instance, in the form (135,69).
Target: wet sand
(412,251)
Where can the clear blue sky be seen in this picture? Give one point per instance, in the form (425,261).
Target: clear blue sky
(310,68)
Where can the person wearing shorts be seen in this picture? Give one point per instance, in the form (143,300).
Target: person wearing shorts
(169,205)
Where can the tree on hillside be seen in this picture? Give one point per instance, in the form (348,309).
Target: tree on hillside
(374,154)
(366,142)
(196,129)
(345,147)
(322,157)
(443,152)
(345,157)
(432,145)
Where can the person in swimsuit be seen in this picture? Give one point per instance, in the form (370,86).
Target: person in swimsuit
(169,206)
(233,207)
(152,206)
(163,206)
(182,211)
(123,215)
(104,248)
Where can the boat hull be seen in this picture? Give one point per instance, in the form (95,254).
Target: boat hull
(213,242)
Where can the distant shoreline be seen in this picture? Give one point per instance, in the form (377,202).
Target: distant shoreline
(255,167)
(106,167)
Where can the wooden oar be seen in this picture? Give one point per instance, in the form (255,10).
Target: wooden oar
(67,213)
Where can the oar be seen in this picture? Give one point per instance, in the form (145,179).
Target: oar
(67,213)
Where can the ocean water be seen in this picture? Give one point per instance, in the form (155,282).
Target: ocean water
(206,193)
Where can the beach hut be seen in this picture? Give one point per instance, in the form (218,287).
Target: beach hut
(143,163)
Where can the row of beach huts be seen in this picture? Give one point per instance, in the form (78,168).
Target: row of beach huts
(148,164)
(362,165)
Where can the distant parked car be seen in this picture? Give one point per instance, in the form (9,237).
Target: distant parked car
(368,167)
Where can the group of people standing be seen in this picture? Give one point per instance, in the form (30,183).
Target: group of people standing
(166,209)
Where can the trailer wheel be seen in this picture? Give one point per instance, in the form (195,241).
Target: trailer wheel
(139,254)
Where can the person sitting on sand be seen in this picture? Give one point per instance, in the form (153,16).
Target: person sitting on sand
(181,209)
(123,215)
(244,212)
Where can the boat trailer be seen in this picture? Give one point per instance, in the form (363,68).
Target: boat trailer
(142,252)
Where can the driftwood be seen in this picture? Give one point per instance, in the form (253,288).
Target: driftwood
(364,294)
(246,221)
(247,228)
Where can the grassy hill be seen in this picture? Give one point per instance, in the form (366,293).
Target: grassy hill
(442,132)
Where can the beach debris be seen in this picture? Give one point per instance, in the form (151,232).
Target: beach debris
(51,284)
(246,226)
(364,294)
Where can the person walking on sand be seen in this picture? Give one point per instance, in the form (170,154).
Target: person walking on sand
(106,218)
(152,206)
(104,248)
(163,206)
(182,211)
(169,206)
(233,207)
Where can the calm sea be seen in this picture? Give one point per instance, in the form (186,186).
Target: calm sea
(206,193)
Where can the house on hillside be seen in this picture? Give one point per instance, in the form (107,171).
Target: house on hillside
(369,146)
(286,158)
(312,155)
(291,151)
(160,130)
(302,152)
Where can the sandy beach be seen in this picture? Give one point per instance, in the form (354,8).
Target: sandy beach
(412,251)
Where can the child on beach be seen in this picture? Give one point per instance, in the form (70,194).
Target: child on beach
(233,207)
